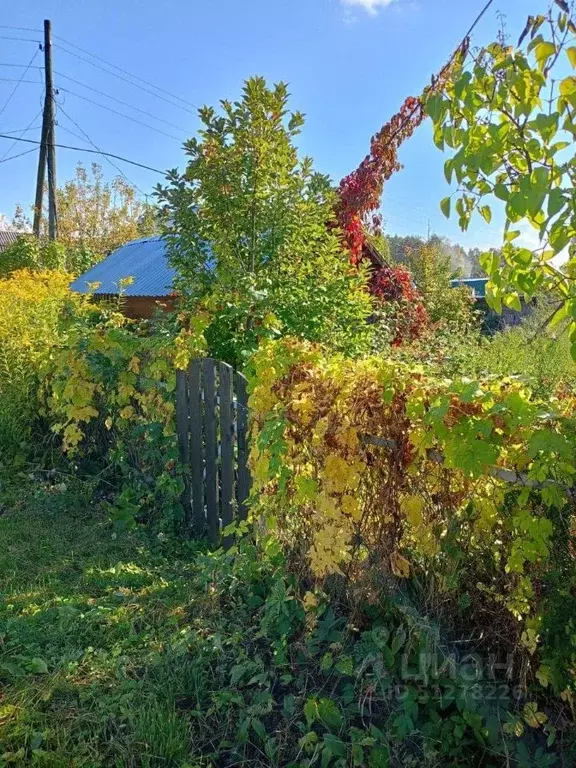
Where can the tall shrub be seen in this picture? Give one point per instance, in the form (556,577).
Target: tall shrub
(32,307)
(250,233)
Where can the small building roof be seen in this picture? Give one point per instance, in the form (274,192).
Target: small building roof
(8,238)
(476,284)
(145,260)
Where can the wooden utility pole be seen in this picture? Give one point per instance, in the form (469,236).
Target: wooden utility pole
(47,157)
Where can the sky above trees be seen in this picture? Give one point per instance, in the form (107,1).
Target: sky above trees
(349,65)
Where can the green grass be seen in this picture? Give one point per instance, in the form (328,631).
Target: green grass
(134,651)
(90,625)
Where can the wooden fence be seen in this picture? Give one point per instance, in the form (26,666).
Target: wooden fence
(212,422)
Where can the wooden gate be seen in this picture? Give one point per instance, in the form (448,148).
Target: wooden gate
(212,421)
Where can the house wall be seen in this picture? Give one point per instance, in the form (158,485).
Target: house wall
(141,307)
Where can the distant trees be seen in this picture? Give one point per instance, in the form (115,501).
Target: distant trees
(99,215)
(462,263)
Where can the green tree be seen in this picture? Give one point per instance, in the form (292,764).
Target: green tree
(29,252)
(97,216)
(509,117)
(250,232)
(432,271)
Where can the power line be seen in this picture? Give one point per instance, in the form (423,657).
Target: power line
(19,29)
(120,77)
(93,152)
(20,39)
(97,148)
(21,133)
(8,100)
(21,154)
(119,101)
(16,80)
(20,66)
(120,114)
(126,72)
(24,130)
(90,88)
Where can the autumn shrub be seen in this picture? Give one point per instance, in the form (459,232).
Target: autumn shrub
(34,310)
(373,472)
(251,233)
(109,394)
(399,313)
(432,272)
(46,255)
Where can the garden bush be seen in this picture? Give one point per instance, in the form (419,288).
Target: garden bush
(109,395)
(252,234)
(34,310)
(466,489)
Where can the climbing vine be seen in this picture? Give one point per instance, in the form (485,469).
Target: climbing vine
(371,470)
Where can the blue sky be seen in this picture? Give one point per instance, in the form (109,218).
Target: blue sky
(349,64)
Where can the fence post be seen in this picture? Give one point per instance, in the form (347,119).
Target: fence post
(211,447)
(183,432)
(226,447)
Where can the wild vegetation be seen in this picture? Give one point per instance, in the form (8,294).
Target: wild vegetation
(403,592)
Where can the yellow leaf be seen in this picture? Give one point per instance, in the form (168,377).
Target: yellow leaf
(412,507)
(532,717)
(400,566)
(134,365)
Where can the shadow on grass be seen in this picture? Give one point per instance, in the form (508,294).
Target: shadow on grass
(95,638)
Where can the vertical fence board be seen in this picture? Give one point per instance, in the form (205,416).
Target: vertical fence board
(226,445)
(196,446)
(182,430)
(211,446)
(243,487)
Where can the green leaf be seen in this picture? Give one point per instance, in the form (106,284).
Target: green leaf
(329,713)
(489,262)
(560,315)
(37,666)
(568,86)
(311,711)
(555,201)
(258,728)
(501,192)
(544,50)
(511,234)
(512,300)
(518,204)
(547,125)
(379,757)
(571,53)
(486,213)
(434,107)
(445,207)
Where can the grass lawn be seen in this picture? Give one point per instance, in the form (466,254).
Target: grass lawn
(126,650)
(95,632)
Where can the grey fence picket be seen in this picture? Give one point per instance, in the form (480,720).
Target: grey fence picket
(211,453)
(212,426)
(196,447)
(226,445)
(243,481)
(183,432)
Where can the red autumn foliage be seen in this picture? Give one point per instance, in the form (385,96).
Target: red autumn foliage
(393,285)
(359,199)
(361,190)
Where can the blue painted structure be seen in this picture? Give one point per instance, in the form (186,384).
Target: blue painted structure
(476,284)
(146,260)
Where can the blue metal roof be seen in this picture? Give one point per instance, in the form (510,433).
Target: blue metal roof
(146,260)
(476,284)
